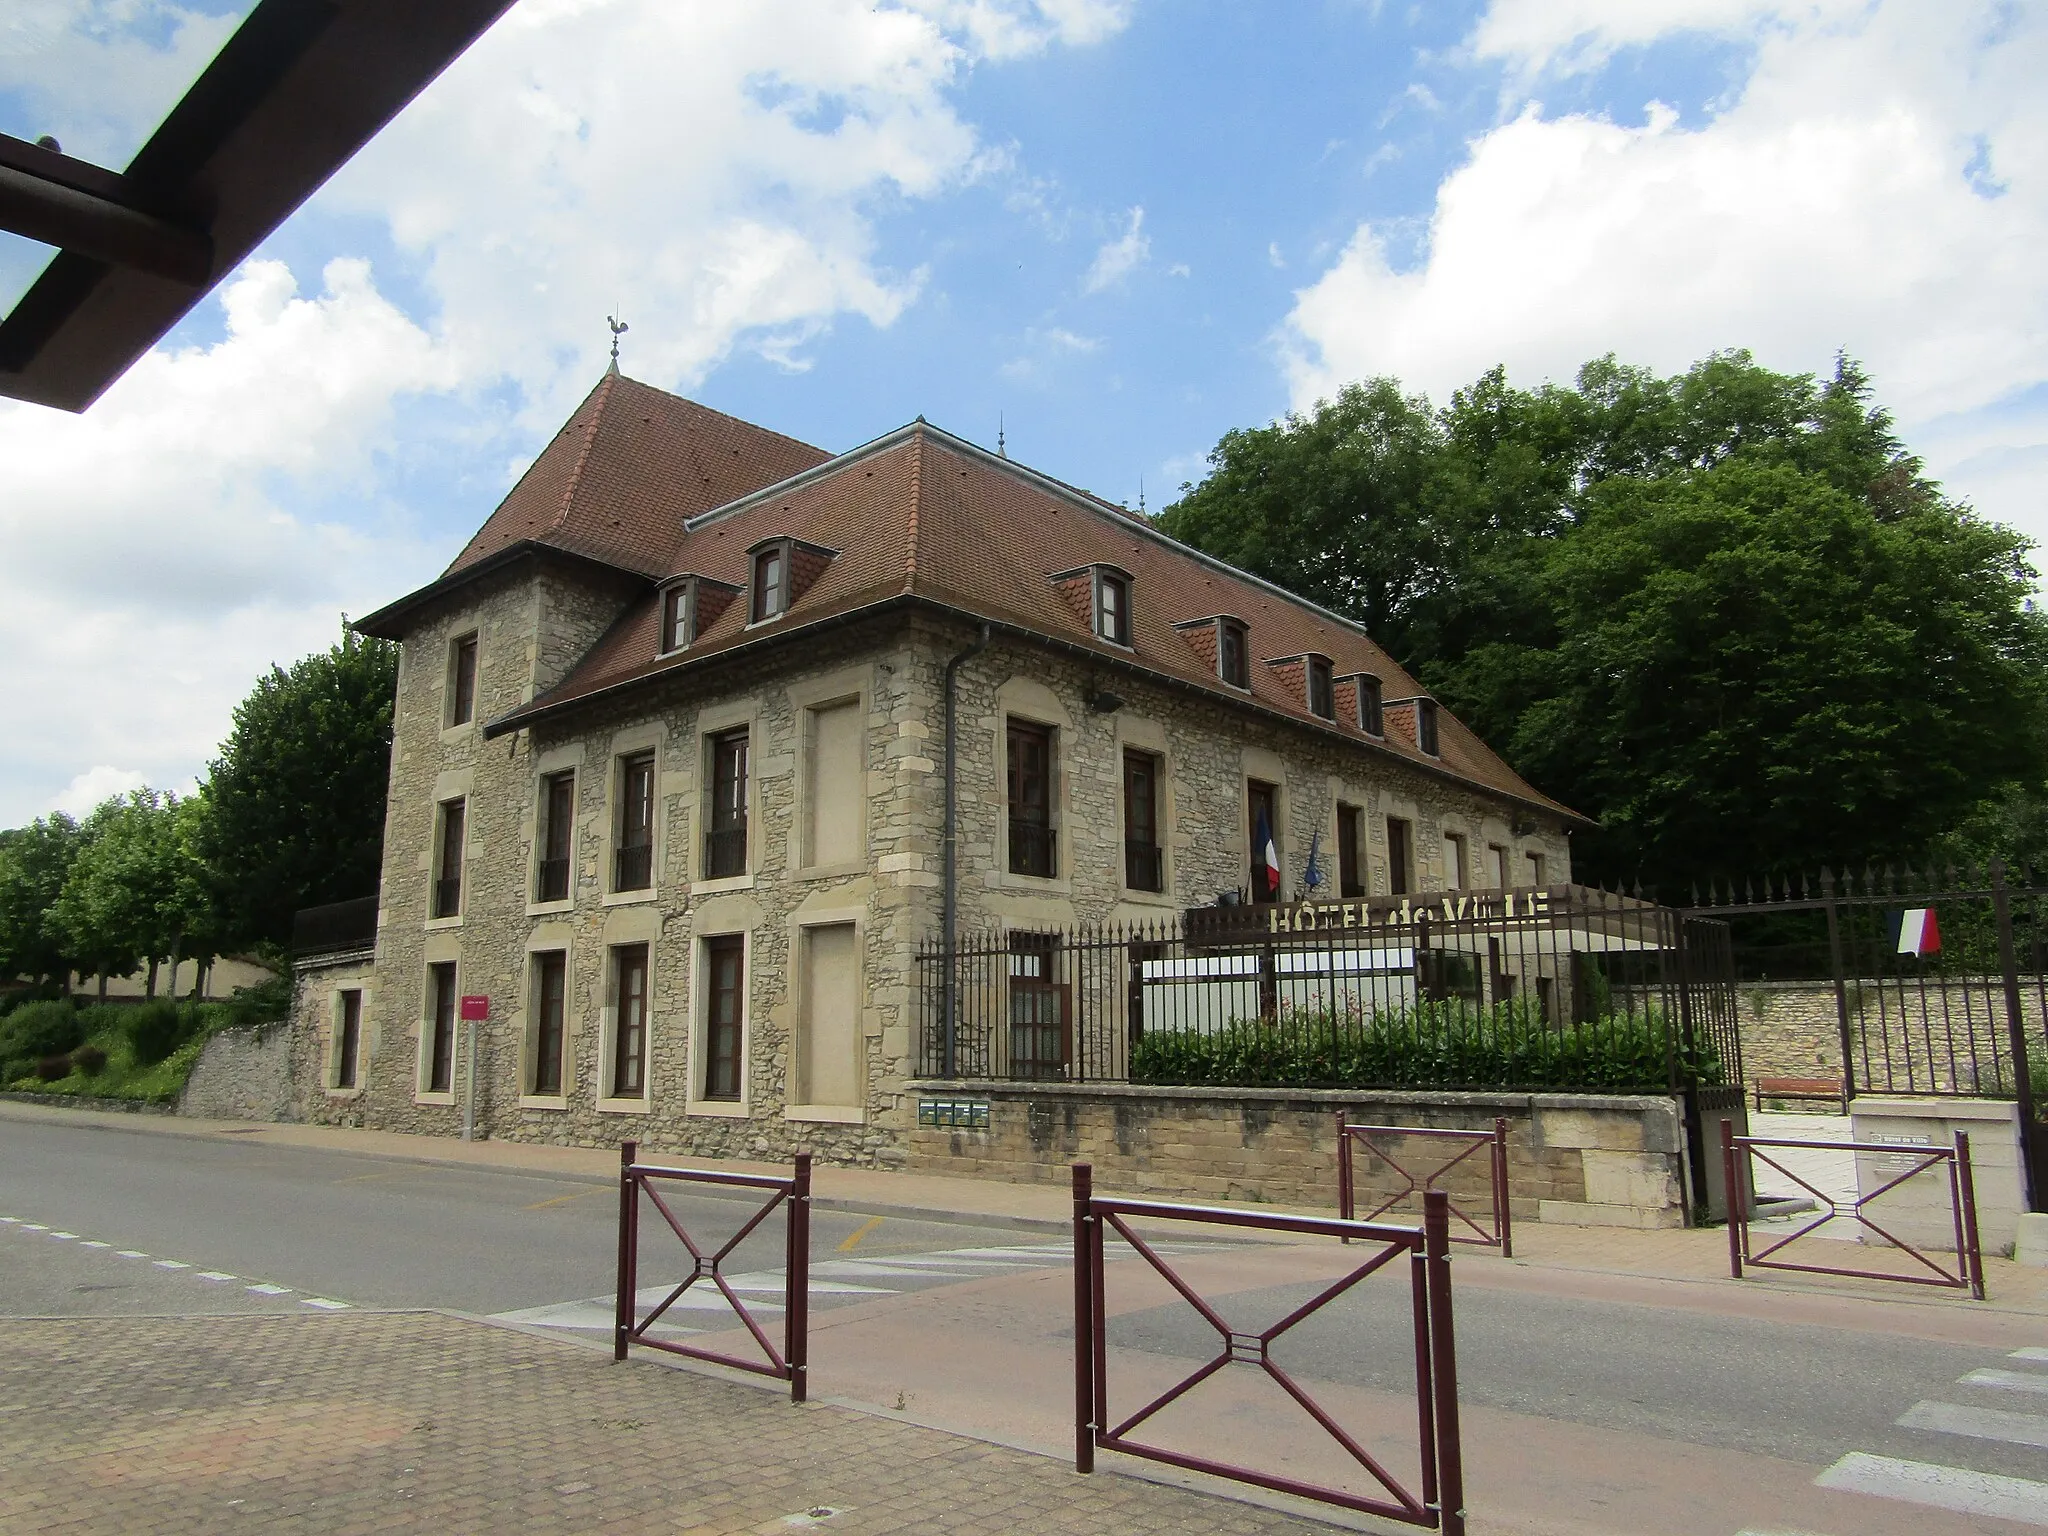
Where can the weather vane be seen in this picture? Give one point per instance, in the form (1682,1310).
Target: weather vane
(619,328)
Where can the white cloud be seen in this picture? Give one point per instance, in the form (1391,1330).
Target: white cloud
(1831,203)
(714,170)
(1120,257)
(98,783)
(1575,36)
(1043,350)
(154,568)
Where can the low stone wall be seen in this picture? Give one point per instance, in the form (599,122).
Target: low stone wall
(1594,1161)
(242,1074)
(1791,1029)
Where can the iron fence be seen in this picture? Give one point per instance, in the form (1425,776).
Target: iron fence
(337,926)
(1560,987)
(1391,1180)
(1939,979)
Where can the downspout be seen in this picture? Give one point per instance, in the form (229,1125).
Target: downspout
(950,918)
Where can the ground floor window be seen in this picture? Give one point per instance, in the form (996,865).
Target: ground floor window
(550,993)
(725,981)
(441,1027)
(629,1029)
(348,1041)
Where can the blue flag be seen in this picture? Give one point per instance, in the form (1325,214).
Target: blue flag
(1313,876)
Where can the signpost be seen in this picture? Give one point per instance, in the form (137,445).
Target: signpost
(476,1012)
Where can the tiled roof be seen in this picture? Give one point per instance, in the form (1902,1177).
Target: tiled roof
(917,514)
(627,469)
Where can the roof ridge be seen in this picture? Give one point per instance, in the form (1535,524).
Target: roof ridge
(604,395)
(916,494)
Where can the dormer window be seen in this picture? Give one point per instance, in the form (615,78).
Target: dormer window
(1232,652)
(1366,693)
(770,598)
(1322,696)
(1113,607)
(1425,726)
(678,627)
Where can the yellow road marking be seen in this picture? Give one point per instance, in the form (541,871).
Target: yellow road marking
(860,1232)
(541,1205)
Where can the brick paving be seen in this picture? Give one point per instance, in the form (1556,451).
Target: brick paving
(385,1421)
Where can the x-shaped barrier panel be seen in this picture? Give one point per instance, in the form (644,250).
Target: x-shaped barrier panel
(787,1363)
(1741,1154)
(1438,1503)
(1497,1232)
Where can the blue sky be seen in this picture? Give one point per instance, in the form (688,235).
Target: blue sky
(1123,226)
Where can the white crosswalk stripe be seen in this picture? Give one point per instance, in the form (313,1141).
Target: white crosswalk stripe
(2028,1354)
(2011,1381)
(1956,1489)
(1979,1423)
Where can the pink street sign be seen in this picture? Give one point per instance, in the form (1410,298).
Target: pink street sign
(476,1009)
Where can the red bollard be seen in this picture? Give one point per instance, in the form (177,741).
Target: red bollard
(629,1212)
(1443,1347)
(1084,1319)
(796,1322)
(1738,1209)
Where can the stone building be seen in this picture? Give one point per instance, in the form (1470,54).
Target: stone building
(671,778)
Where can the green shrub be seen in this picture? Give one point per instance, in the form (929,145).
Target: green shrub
(1430,1045)
(36,1030)
(156,1029)
(266,1002)
(89,1061)
(53,1069)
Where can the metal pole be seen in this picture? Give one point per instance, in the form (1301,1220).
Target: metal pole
(1084,1320)
(1425,1400)
(2031,1197)
(629,1205)
(469,1086)
(1967,1189)
(1731,1191)
(1841,1005)
(1344,1195)
(1443,1349)
(1500,1186)
(796,1322)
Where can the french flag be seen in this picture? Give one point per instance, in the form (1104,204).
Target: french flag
(1266,859)
(1915,931)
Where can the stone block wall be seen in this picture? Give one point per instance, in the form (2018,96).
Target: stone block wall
(1791,1029)
(244,1074)
(1594,1161)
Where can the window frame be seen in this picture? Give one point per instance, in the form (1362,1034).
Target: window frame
(631,765)
(1112,607)
(555,831)
(1320,687)
(550,1037)
(451,835)
(678,618)
(440,1025)
(1238,632)
(635,959)
(1270,790)
(1400,831)
(1371,696)
(712,949)
(1038,824)
(462,681)
(346,1072)
(1352,875)
(1538,866)
(1457,850)
(1428,735)
(723,820)
(760,593)
(1497,865)
(1144,855)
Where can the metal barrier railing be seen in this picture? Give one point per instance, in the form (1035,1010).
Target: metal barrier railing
(1440,1504)
(790,1362)
(1498,1234)
(1740,1154)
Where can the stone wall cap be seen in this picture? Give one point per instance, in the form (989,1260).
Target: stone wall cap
(1335,1098)
(335,958)
(1934,1109)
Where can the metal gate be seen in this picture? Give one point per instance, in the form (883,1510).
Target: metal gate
(1498,1229)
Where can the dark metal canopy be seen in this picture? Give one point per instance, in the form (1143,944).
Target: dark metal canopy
(295,92)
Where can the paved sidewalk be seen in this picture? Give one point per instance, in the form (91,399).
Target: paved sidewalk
(367,1421)
(1699,1254)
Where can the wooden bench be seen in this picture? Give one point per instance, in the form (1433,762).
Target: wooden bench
(1806,1089)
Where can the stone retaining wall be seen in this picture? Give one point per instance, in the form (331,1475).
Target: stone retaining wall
(242,1074)
(1596,1161)
(1791,1029)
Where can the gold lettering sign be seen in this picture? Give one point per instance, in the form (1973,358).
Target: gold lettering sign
(1316,916)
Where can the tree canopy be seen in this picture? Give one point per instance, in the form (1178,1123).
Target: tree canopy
(296,798)
(1723,613)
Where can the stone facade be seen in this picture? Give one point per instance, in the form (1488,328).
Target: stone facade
(1792,1029)
(534,619)
(243,1074)
(1594,1161)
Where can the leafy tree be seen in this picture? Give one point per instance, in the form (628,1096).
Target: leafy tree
(296,798)
(104,910)
(33,863)
(1723,612)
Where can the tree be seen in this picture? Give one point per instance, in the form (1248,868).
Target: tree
(1724,613)
(296,798)
(33,863)
(138,892)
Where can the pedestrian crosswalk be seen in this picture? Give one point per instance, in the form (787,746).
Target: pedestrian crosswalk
(1963,1489)
(834,1282)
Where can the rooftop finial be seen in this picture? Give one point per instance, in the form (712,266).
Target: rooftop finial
(1002,447)
(619,328)
(1141,495)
